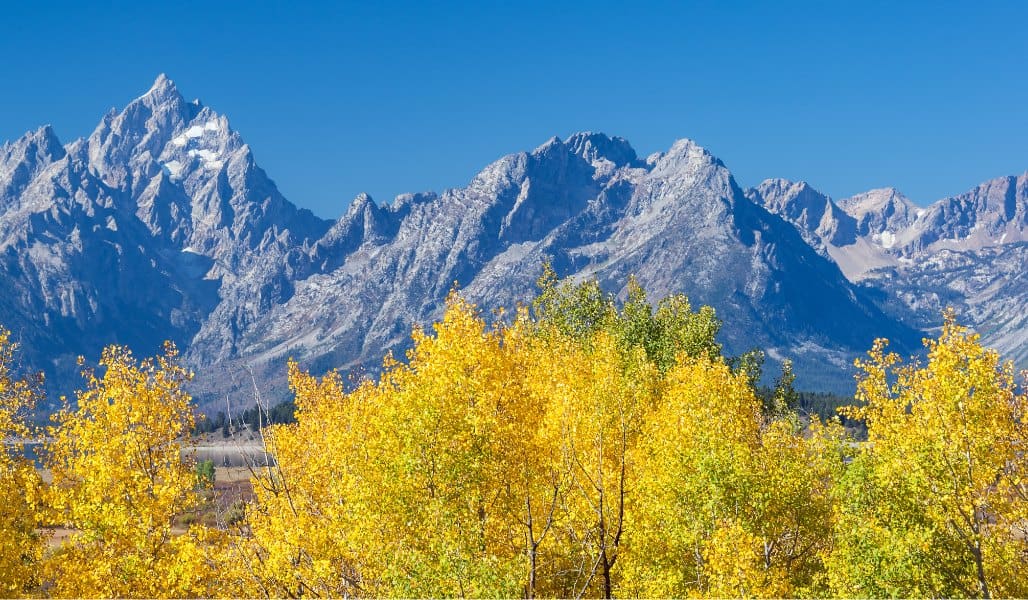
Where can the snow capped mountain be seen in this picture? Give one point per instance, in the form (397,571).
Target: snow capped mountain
(161,225)
(138,232)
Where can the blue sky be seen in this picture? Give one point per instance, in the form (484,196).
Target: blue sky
(389,97)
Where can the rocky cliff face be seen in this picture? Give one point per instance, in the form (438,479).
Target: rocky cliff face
(161,225)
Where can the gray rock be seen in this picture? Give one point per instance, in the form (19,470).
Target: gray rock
(161,225)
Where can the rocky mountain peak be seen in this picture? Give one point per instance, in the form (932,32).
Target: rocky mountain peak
(360,203)
(363,222)
(596,147)
(674,176)
(36,147)
(992,213)
(22,159)
(885,201)
(161,100)
(882,211)
(162,91)
(685,157)
(817,217)
(1004,199)
(130,141)
(792,197)
(44,142)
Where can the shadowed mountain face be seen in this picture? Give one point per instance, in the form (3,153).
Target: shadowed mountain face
(161,225)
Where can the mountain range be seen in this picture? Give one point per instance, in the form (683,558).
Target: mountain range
(161,225)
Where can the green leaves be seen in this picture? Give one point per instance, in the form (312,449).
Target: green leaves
(581,310)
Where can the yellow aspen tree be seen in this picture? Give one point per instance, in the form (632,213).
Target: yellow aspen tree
(697,449)
(935,502)
(790,506)
(118,481)
(449,416)
(729,505)
(538,477)
(398,488)
(598,395)
(21,490)
(315,521)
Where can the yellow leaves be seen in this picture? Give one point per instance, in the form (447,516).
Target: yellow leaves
(938,475)
(595,397)
(377,488)
(119,479)
(735,564)
(718,489)
(577,451)
(523,460)
(491,463)
(21,546)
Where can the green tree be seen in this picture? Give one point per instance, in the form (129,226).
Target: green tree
(205,473)
(581,310)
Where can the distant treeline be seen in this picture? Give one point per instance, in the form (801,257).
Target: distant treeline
(826,405)
(252,419)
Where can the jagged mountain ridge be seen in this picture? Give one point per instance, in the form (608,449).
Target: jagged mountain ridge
(968,252)
(139,232)
(588,205)
(161,225)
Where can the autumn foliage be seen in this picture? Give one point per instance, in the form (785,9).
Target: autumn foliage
(22,546)
(575,448)
(118,481)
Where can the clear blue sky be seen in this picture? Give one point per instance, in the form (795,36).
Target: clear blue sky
(389,97)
